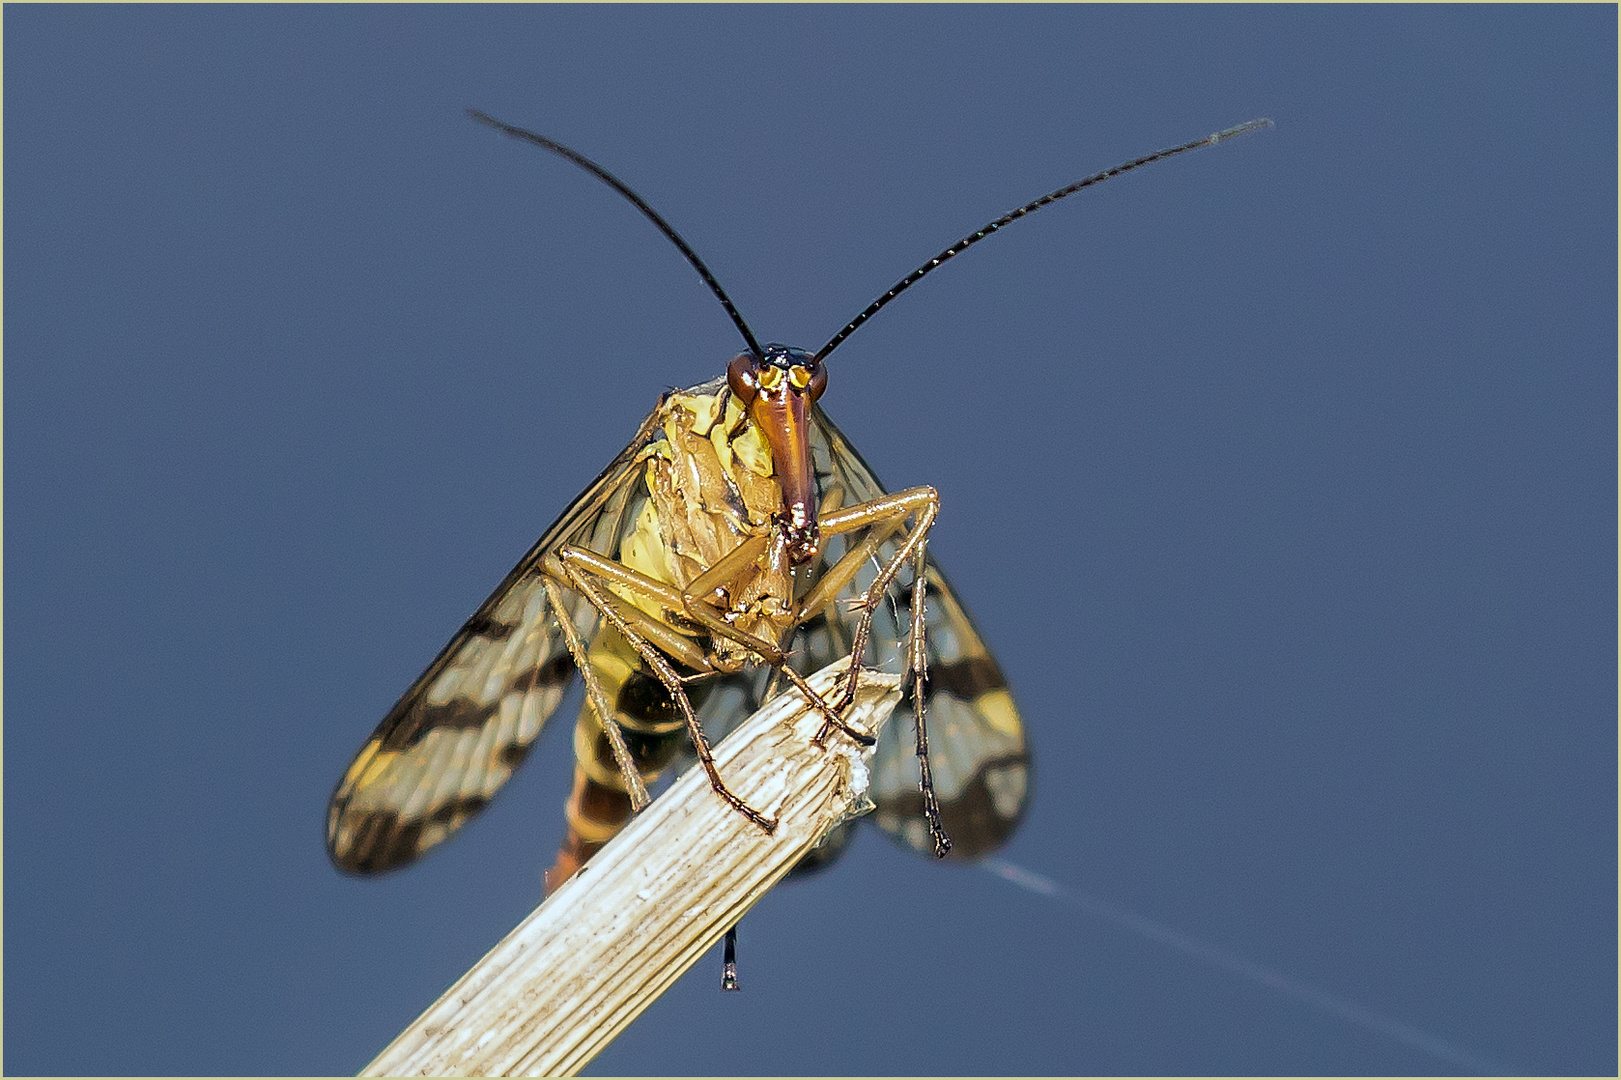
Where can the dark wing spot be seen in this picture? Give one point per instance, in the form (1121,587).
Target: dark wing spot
(512,754)
(457,810)
(421,718)
(382,840)
(462,714)
(965,679)
(971,819)
(489,627)
(554,673)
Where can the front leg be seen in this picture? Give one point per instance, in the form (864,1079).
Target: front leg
(698,602)
(883,517)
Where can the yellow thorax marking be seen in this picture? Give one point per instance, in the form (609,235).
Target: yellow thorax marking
(657,544)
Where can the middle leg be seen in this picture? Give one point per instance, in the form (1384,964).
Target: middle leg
(580,577)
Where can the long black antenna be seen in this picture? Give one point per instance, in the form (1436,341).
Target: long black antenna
(1028,208)
(636,200)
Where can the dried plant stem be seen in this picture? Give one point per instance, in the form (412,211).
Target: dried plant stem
(585,963)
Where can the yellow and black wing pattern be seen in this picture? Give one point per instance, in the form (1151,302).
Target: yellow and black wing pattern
(977,749)
(468,721)
(456,736)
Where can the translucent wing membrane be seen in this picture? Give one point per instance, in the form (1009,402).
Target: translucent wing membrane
(455,738)
(458,733)
(976,739)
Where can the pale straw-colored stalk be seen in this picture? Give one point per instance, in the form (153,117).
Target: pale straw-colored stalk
(585,963)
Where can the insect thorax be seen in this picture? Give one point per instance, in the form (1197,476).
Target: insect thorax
(710,486)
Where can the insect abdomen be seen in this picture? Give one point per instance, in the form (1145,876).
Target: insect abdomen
(655,732)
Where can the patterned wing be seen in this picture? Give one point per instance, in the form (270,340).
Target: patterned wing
(468,721)
(976,740)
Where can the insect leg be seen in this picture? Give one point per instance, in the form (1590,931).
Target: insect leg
(841,573)
(920,676)
(593,692)
(698,604)
(887,512)
(608,774)
(728,973)
(579,577)
(886,515)
(702,613)
(661,634)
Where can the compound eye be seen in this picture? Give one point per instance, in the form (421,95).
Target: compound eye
(799,377)
(818,382)
(770,377)
(740,376)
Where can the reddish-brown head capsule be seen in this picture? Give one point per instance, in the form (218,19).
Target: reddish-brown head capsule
(776,390)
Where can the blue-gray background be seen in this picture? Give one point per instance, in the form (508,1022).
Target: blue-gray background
(1280,477)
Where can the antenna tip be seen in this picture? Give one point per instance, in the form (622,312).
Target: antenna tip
(1241,129)
(488,121)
